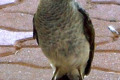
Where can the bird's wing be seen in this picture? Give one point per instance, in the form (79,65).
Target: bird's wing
(35,35)
(90,35)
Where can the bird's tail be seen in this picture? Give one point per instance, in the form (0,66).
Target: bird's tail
(73,75)
(65,77)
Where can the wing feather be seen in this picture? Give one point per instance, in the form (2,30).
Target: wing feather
(90,35)
(35,35)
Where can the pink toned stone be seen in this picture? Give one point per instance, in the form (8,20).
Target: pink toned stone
(105,12)
(16,21)
(106,1)
(106,44)
(102,75)
(101,0)
(33,56)
(18,72)
(107,60)
(30,43)
(6,51)
(101,27)
(26,6)
(26,43)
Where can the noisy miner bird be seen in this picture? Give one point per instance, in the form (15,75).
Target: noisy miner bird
(66,36)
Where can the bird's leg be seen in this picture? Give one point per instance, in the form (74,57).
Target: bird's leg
(60,74)
(54,74)
(81,76)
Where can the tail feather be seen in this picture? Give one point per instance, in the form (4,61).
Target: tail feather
(74,75)
(65,77)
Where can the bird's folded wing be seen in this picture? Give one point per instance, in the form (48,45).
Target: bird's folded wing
(90,35)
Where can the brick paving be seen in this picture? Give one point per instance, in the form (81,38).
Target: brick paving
(24,60)
(16,21)
(106,1)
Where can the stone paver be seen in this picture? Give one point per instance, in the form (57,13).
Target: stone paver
(102,75)
(109,61)
(7,50)
(101,27)
(107,45)
(22,59)
(28,56)
(105,12)
(26,43)
(107,1)
(26,6)
(17,72)
(14,20)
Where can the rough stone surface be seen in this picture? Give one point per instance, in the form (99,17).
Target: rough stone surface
(26,6)
(107,45)
(107,1)
(6,50)
(106,12)
(17,72)
(14,20)
(27,56)
(101,27)
(107,61)
(102,75)
(26,43)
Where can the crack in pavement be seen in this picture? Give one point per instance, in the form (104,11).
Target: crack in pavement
(27,65)
(13,29)
(106,3)
(105,19)
(105,70)
(22,12)
(6,54)
(110,51)
(18,44)
(48,67)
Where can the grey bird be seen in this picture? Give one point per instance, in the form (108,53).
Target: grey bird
(66,36)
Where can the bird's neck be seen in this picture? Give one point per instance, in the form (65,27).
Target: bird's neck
(53,7)
(46,4)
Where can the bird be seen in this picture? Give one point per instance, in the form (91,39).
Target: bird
(65,33)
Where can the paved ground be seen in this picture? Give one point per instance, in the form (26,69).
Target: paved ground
(21,59)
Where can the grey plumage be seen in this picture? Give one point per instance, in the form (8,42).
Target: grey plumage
(66,35)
